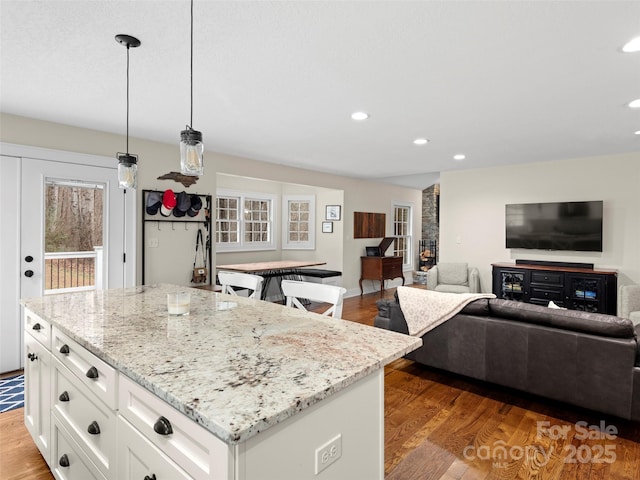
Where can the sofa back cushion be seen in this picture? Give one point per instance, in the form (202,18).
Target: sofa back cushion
(479,308)
(575,320)
(453,273)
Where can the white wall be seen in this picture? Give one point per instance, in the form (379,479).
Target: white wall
(156,159)
(328,246)
(472,209)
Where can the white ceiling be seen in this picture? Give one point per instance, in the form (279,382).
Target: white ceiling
(500,81)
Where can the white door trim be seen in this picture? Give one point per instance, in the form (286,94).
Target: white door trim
(39,153)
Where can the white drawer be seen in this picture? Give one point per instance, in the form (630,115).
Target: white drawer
(98,376)
(139,459)
(87,419)
(193,448)
(69,462)
(40,329)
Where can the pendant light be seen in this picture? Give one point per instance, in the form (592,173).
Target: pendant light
(127,163)
(191,146)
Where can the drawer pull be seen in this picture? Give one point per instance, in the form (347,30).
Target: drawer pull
(92,373)
(37,326)
(64,349)
(64,396)
(163,426)
(152,477)
(94,428)
(32,356)
(64,461)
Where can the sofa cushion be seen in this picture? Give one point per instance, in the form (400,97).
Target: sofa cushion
(453,273)
(479,308)
(578,321)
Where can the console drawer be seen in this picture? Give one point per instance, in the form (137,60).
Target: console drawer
(549,278)
(96,375)
(68,461)
(196,450)
(543,296)
(38,328)
(91,422)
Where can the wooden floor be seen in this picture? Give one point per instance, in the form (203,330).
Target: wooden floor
(443,426)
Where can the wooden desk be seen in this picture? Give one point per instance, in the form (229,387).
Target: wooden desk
(380,268)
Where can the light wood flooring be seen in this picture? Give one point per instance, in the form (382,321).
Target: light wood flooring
(443,426)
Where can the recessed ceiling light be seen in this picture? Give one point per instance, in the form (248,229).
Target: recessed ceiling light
(421,141)
(637,132)
(632,46)
(635,103)
(359,116)
(459,156)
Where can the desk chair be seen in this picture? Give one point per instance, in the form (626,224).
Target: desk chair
(229,281)
(295,290)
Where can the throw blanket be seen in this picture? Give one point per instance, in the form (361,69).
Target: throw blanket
(424,310)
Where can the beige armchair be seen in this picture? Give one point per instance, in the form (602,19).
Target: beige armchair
(453,278)
(629,303)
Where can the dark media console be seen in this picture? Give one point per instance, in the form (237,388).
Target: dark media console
(576,286)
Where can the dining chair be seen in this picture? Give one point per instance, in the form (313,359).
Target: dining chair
(230,281)
(295,290)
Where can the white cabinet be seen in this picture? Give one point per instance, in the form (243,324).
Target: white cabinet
(92,373)
(91,423)
(139,459)
(196,450)
(68,460)
(37,391)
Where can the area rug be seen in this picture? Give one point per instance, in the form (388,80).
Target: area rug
(11,393)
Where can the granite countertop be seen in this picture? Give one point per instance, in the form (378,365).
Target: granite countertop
(236,366)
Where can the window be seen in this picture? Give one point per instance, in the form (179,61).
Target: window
(244,221)
(402,229)
(298,230)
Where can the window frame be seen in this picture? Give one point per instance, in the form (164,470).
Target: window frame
(310,244)
(242,245)
(408,260)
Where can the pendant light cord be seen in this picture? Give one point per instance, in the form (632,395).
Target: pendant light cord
(191,67)
(127,99)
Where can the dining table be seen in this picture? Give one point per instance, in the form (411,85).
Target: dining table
(276,270)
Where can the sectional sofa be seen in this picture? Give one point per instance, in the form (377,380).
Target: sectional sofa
(584,359)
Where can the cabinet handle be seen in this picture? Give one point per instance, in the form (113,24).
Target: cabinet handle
(37,326)
(64,396)
(94,428)
(152,477)
(163,426)
(64,349)
(64,461)
(92,373)
(32,356)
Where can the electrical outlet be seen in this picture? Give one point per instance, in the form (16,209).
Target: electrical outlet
(328,453)
(152,242)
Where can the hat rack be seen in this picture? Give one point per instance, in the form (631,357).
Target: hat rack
(163,215)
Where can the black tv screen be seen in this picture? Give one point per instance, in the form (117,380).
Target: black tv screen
(575,226)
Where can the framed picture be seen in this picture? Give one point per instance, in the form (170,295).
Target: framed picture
(327,227)
(332,212)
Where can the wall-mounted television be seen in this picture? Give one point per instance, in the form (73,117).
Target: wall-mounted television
(575,226)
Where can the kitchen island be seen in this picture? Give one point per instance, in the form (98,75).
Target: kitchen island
(239,389)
